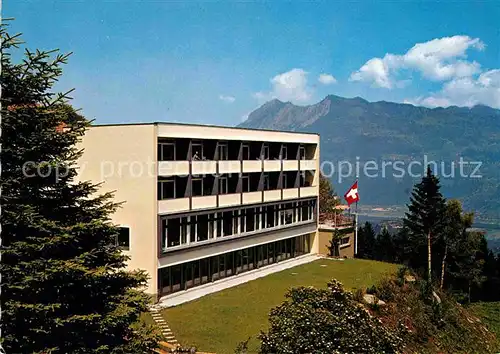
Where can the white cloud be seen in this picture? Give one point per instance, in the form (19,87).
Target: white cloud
(466,91)
(228,99)
(440,59)
(375,70)
(288,86)
(326,79)
(430,101)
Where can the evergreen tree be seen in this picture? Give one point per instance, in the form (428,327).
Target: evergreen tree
(402,247)
(64,288)
(455,222)
(424,220)
(490,290)
(384,246)
(366,241)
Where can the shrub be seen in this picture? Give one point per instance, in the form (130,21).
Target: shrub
(326,321)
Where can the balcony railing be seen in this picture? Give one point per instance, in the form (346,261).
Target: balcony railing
(200,167)
(336,220)
(172,206)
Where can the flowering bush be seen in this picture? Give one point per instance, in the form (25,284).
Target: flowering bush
(326,321)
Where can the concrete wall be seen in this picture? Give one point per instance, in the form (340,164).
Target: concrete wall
(124,159)
(324,237)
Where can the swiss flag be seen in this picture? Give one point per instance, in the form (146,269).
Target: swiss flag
(352,195)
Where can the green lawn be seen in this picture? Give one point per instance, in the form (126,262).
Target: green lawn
(218,322)
(489,313)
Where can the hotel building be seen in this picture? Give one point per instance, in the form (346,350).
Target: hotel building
(203,203)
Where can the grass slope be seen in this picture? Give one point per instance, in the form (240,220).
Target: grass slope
(489,313)
(218,322)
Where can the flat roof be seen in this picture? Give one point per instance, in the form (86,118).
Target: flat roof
(204,125)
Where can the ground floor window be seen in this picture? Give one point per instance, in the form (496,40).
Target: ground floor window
(190,274)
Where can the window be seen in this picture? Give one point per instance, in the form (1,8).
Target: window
(218,223)
(289,214)
(192,227)
(242,220)
(223,185)
(284,183)
(196,187)
(344,241)
(281,214)
(267,185)
(305,211)
(302,178)
(173,232)
(250,219)
(197,151)
(123,238)
(166,152)
(227,223)
(235,222)
(176,231)
(184,230)
(245,183)
(265,151)
(246,152)
(166,189)
(223,152)
(284,152)
(270,216)
(202,227)
(302,153)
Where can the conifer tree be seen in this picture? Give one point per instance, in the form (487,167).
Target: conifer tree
(64,289)
(384,247)
(366,241)
(424,220)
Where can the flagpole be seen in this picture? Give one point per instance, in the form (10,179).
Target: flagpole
(356,224)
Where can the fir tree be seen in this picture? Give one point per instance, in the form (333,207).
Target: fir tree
(384,247)
(366,241)
(424,219)
(64,287)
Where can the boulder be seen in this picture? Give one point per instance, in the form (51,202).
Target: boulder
(410,279)
(372,299)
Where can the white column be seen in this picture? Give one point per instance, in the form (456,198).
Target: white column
(239,221)
(215,225)
(166,233)
(188,228)
(195,229)
(256,219)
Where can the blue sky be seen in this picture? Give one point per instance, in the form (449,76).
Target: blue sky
(214,62)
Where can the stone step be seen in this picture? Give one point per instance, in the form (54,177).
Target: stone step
(162,324)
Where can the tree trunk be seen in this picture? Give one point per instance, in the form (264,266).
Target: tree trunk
(443,265)
(429,257)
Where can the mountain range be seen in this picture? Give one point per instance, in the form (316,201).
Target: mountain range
(403,135)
